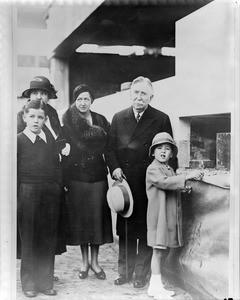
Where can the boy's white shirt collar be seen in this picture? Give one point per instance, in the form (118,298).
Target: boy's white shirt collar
(32,136)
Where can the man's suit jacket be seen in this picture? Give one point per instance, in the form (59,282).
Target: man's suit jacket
(128,148)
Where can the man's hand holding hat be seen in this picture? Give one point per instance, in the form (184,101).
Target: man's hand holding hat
(118,174)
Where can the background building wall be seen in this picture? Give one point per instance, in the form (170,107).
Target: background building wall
(204,69)
(204,81)
(67,18)
(31,39)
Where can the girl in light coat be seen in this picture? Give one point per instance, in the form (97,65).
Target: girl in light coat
(164,214)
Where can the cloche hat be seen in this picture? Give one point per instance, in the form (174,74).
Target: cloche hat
(81,89)
(120,199)
(161,138)
(40,83)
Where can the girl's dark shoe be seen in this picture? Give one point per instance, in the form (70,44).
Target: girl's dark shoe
(100,275)
(84,274)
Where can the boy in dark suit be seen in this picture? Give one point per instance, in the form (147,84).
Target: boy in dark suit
(39,190)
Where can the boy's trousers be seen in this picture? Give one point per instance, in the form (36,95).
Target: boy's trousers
(38,213)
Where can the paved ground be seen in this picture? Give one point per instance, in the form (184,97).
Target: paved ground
(71,287)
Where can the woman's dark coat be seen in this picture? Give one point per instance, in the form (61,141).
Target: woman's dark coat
(85,162)
(127,149)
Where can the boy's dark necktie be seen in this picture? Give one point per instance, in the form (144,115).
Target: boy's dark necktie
(38,139)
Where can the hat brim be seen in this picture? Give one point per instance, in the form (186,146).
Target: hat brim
(128,213)
(26,93)
(173,146)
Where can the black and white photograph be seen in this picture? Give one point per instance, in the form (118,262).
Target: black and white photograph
(119,150)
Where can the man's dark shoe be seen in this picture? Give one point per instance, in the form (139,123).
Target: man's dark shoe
(50,292)
(30,294)
(139,282)
(122,279)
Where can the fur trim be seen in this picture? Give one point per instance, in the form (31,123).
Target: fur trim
(88,138)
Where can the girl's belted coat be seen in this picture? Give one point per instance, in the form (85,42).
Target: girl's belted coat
(164,213)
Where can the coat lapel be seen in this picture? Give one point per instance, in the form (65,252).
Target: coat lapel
(145,122)
(129,121)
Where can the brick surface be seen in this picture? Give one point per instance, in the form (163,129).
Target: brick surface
(223,142)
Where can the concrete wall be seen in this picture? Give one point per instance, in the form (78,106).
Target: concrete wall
(201,265)
(204,82)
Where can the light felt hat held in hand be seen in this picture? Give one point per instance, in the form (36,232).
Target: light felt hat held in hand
(120,199)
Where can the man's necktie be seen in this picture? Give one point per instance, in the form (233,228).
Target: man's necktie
(138,117)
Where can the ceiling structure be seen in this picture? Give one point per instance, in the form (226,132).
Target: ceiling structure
(145,23)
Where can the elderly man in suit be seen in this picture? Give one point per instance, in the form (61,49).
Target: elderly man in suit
(131,134)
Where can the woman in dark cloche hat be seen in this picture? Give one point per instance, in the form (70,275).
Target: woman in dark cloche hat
(89,214)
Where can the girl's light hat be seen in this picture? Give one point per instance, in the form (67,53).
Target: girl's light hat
(120,199)
(161,138)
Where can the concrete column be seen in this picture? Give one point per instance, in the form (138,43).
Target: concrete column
(183,142)
(8,149)
(59,72)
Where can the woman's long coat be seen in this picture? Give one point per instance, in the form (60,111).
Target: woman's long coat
(164,213)
(85,162)
(127,149)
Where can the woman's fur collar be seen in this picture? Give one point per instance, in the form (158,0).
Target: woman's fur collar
(89,136)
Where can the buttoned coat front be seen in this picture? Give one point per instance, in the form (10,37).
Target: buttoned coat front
(128,147)
(164,213)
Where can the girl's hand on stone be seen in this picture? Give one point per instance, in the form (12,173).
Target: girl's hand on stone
(194,175)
